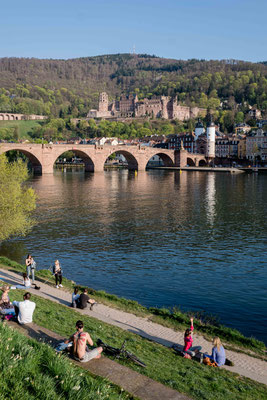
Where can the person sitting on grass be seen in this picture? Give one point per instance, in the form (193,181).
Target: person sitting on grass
(84,299)
(188,341)
(24,309)
(75,296)
(4,301)
(80,351)
(218,352)
(26,283)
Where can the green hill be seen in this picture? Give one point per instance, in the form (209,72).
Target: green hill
(77,82)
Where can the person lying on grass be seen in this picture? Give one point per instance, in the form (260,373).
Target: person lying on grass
(80,350)
(84,299)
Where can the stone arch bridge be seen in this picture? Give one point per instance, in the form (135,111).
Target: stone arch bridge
(44,156)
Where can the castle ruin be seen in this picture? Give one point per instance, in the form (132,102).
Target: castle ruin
(165,107)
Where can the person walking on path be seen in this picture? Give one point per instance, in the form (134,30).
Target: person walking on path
(57,271)
(80,351)
(30,267)
(188,341)
(24,309)
(218,352)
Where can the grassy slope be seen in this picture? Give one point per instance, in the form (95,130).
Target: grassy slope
(31,370)
(174,319)
(25,127)
(199,381)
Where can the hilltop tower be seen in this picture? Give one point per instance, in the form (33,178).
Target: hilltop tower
(103,102)
(210,150)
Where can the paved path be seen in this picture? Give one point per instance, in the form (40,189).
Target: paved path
(244,365)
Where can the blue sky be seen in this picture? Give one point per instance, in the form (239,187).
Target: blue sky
(180,29)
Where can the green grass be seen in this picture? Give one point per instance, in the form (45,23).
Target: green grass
(31,370)
(174,318)
(25,127)
(163,365)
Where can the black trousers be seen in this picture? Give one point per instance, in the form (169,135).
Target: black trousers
(58,278)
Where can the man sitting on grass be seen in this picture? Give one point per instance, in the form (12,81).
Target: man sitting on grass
(80,350)
(84,299)
(24,309)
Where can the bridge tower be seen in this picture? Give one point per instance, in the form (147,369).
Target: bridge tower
(210,149)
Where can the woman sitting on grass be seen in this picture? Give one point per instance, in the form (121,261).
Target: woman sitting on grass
(26,283)
(218,352)
(5,302)
(188,341)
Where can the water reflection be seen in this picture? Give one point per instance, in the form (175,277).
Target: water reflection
(163,238)
(210,197)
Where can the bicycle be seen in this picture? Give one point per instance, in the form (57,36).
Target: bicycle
(118,353)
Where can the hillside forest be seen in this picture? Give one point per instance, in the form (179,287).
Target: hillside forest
(66,89)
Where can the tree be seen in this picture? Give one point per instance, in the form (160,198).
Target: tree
(16,201)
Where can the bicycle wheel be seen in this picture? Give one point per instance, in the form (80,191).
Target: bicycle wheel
(133,358)
(113,351)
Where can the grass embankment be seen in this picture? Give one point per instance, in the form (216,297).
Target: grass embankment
(175,318)
(163,365)
(24,128)
(31,370)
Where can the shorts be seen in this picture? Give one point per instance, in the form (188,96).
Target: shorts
(88,356)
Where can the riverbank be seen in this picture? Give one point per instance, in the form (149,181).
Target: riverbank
(252,364)
(150,342)
(175,318)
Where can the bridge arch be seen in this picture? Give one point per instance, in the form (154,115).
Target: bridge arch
(202,163)
(190,162)
(130,158)
(161,157)
(35,163)
(89,165)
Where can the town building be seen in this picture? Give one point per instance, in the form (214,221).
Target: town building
(241,152)
(242,128)
(256,145)
(184,140)
(165,107)
(254,113)
(222,147)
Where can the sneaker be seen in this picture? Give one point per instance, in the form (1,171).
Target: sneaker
(60,285)
(57,286)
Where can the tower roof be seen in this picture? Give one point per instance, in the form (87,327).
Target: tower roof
(199,124)
(210,123)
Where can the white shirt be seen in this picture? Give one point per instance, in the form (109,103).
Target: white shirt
(26,309)
(26,282)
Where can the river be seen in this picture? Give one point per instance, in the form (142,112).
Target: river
(193,239)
